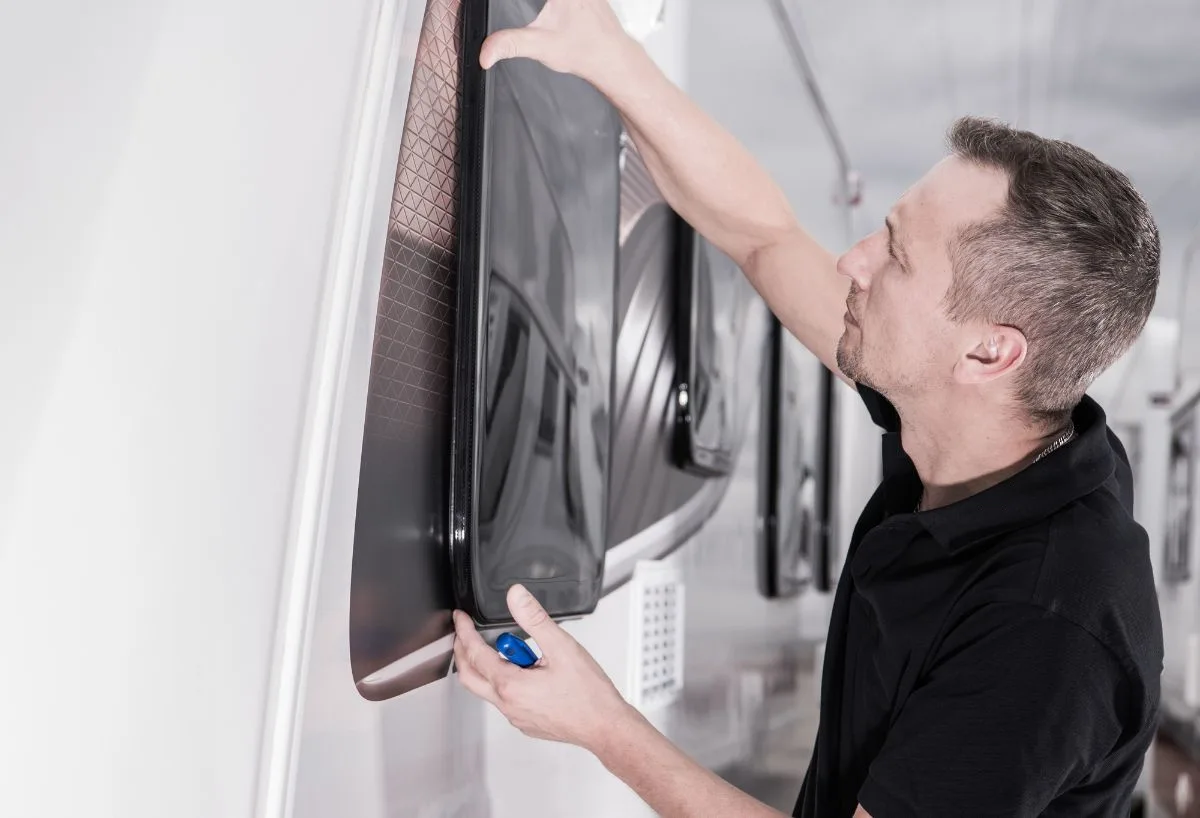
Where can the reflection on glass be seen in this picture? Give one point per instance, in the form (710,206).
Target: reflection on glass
(716,348)
(549,421)
(506,387)
(797,453)
(794,558)
(1177,548)
(708,347)
(551,209)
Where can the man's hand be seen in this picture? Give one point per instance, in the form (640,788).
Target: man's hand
(564,697)
(580,37)
(567,697)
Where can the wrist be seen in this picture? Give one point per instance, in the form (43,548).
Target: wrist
(613,732)
(624,69)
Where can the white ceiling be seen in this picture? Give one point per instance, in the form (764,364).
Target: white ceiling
(1121,78)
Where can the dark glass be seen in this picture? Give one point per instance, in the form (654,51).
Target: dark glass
(1180,492)
(707,346)
(796,436)
(534,351)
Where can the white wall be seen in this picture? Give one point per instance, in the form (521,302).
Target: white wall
(171,171)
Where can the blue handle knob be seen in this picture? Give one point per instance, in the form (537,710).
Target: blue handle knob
(516,651)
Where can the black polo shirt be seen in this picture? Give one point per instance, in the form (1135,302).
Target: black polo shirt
(999,656)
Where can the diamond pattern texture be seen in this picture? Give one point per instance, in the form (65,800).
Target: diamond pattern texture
(413,353)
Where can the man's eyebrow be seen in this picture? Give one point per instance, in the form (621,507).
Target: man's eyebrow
(894,243)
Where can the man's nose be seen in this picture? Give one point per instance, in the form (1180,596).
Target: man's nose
(855,265)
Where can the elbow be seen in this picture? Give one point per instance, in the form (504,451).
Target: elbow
(771,245)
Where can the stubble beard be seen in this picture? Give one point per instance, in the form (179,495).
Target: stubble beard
(849,360)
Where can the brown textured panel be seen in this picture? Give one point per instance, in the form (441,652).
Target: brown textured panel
(400,590)
(413,354)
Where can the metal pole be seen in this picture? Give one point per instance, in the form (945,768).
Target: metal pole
(795,49)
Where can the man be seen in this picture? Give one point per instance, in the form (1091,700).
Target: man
(995,643)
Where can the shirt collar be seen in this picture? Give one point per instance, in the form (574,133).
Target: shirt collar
(1034,493)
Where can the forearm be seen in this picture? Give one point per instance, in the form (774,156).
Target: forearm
(710,179)
(672,784)
(704,173)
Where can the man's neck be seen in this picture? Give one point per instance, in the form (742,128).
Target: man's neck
(966,449)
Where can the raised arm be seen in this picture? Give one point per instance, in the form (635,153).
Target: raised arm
(702,170)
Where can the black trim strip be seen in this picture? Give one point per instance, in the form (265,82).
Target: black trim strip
(689,453)
(472,276)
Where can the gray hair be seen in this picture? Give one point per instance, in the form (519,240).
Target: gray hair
(1072,261)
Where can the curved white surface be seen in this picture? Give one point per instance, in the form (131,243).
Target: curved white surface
(172,172)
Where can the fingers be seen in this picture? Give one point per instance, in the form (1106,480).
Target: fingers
(532,617)
(513,42)
(470,678)
(469,647)
(464,630)
(482,659)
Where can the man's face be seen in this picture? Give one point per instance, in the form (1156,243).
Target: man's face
(898,338)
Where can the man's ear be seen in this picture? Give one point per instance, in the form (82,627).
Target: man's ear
(997,351)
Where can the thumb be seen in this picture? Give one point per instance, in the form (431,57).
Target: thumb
(512,42)
(532,617)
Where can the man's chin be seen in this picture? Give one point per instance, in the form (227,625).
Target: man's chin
(849,361)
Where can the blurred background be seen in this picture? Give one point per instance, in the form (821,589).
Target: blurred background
(1120,79)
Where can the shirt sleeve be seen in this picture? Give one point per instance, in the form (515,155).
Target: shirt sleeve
(1018,707)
